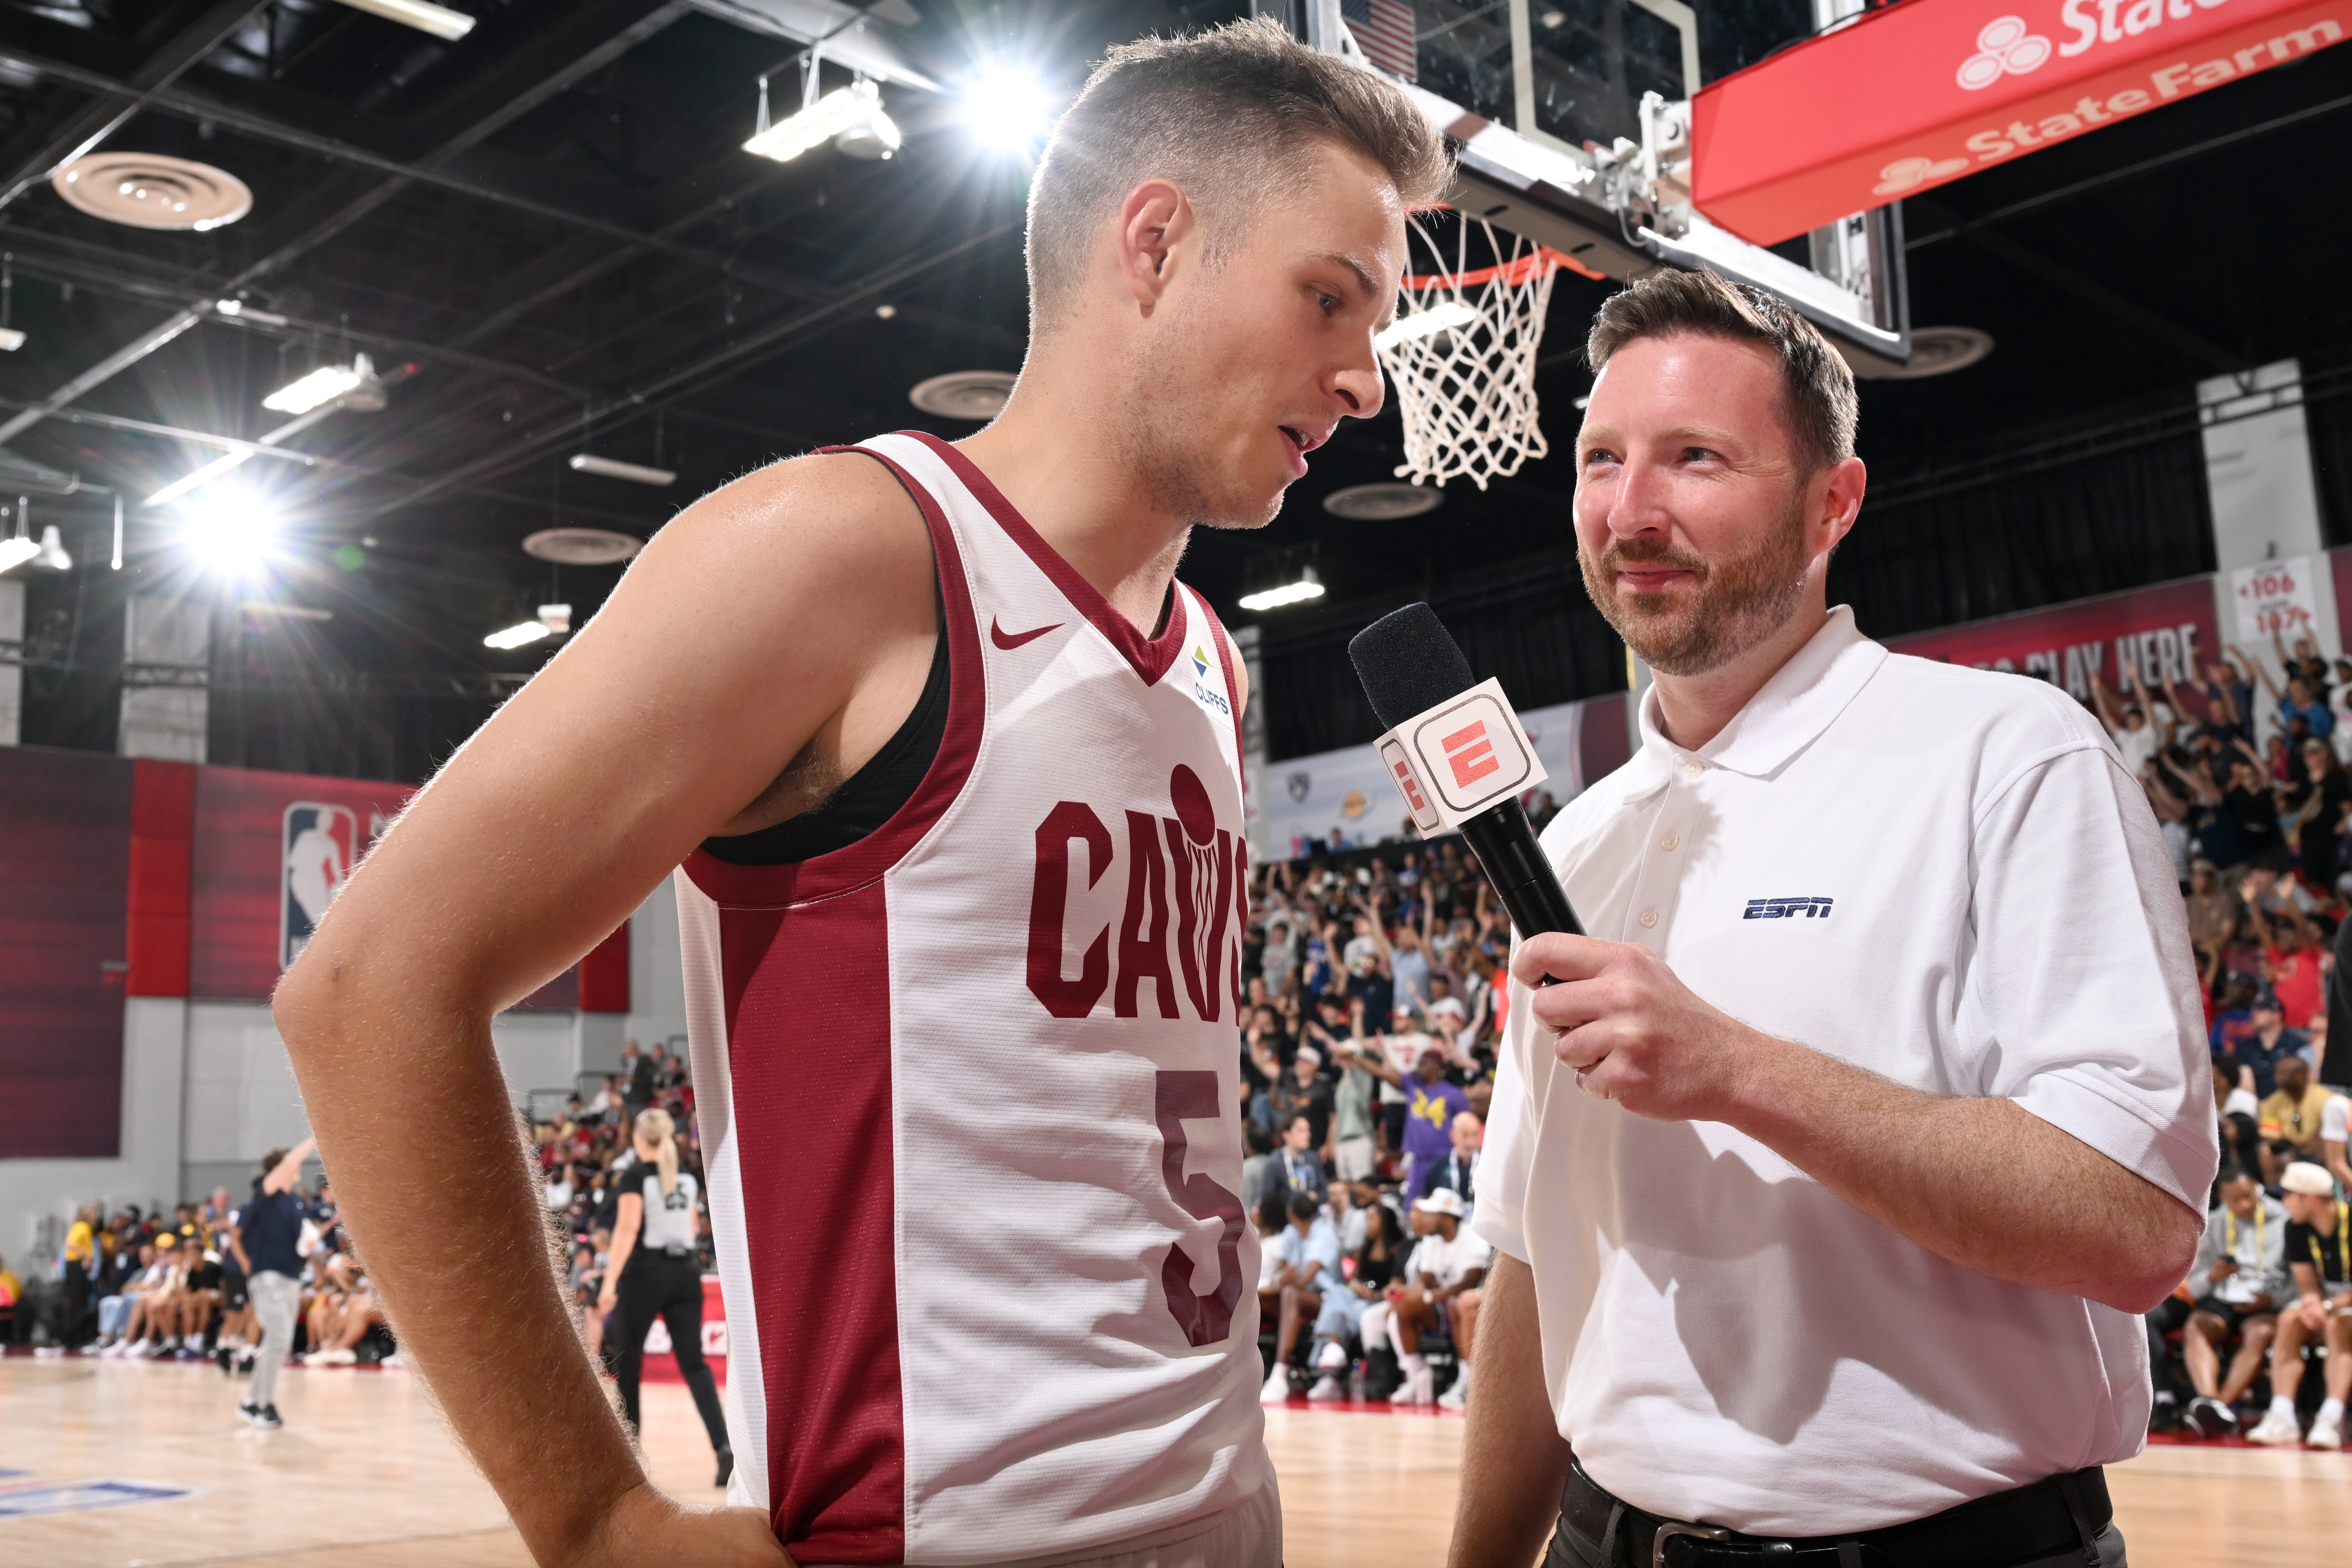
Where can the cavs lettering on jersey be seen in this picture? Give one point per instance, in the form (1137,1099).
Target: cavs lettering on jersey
(969,1092)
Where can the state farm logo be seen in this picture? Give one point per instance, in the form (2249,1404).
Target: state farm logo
(1910,173)
(2003,48)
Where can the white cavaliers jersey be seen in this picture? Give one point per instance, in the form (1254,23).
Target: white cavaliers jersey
(968,1097)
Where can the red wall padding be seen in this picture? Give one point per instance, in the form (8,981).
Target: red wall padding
(604,974)
(162,844)
(65,850)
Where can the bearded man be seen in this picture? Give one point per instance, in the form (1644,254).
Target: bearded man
(1829,1178)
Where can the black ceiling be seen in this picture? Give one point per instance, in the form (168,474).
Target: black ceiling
(553,222)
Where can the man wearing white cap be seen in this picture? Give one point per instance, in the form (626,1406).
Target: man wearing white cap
(1442,1281)
(2319,1255)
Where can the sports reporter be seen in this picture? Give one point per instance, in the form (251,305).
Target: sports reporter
(1828,1181)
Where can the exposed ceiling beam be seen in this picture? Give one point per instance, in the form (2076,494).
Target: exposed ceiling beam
(521,100)
(87,127)
(683,380)
(203,109)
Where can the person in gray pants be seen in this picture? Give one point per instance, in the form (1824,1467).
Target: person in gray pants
(269,1227)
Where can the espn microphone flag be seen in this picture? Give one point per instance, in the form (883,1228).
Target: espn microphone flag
(1913,96)
(1460,757)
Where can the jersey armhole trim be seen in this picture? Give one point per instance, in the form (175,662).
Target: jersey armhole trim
(1223,640)
(855,865)
(1151,658)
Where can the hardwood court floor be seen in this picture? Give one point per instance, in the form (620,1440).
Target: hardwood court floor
(364,1476)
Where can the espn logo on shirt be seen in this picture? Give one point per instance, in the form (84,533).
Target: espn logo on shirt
(320,845)
(1462,756)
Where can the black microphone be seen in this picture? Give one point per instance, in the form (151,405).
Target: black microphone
(1410,663)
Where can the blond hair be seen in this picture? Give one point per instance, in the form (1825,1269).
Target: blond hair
(654,1126)
(1231,115)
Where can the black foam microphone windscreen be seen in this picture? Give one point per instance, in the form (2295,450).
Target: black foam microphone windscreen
(1408,663)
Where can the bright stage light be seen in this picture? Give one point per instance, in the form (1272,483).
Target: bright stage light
(422,15)
(53,551)
(554,620)
(323,385)
(855,107)
(233,535)
(1441,317)
(1008,108)
(1306,588)
(16,552)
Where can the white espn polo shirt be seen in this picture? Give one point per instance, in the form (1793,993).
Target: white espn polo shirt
(1941,875)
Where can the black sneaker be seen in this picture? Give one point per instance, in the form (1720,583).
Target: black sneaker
(2210,1418)
(725,1467)
(266,1418)
(247,1411)
(2164,1416)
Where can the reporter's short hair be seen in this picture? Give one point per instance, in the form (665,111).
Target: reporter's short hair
(1817,384)
(1230,115)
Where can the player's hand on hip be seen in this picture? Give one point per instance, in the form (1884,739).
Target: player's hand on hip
(1620,1018)
(647,1527)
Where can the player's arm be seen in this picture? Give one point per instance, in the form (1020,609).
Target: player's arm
(625,1225)
(1470,1280)
(791,611)
(289,1171)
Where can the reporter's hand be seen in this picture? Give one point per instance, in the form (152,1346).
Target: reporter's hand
(1633,1032)
(646,1526)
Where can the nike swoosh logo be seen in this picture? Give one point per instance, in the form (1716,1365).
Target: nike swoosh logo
(996,635)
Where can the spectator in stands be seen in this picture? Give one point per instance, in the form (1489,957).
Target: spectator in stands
(1257,1167)
(1303,1091)
(2316,808)
(1448,1262)
(79,1262)
(341,1314)
(2269,1043)
(117,1312)
(1279,960)
(1430,1106)
(1307,1252)
(2213,908)
(1379,1258)
(2238,1280)
(2137,741)
(12,1295)
(2320,1260)
(2234,1019)
(2298,1105)
(1353,1110)
(1297,1169)
(1458,1171)
(2333,1123)
(1397,1053)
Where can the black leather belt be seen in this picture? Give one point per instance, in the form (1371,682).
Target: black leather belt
(2049,1519)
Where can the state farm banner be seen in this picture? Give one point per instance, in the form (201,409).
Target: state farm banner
(2161,633)
(1916,95)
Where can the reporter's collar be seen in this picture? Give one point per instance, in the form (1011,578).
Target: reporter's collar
(1786,715)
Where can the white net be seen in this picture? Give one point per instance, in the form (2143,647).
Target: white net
(1460,356)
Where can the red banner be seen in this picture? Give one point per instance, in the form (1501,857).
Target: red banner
(2161,632)
(1922,93)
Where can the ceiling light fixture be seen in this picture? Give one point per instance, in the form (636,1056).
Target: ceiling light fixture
(18,549)
(855,108)
(147,190)
(1008,108)
(1298,593)
(579,546)
(964,394)
(11,340)
(612,469)
(53,551)
(554,620)
(438,20)
(321,386)
(1441,317)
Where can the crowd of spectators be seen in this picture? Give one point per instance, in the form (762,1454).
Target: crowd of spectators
(2245,769)
(157,1286)
(1375,993)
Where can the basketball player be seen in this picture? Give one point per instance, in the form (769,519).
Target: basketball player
(951,763)
(653,1274)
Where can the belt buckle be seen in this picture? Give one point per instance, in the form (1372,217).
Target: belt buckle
(1671,1528)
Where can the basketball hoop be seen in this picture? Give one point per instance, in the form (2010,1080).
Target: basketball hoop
(1462,357)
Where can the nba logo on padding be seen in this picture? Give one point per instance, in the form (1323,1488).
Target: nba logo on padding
(320,845)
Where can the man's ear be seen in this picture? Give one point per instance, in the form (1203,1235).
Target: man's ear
(1156,219)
